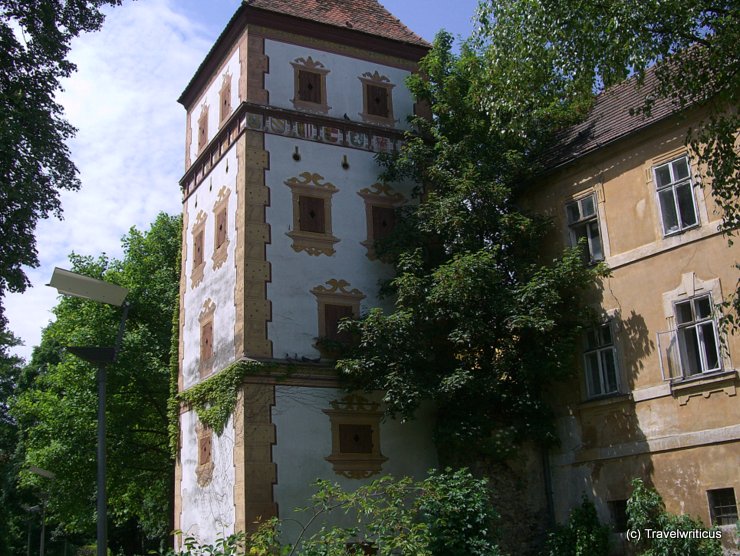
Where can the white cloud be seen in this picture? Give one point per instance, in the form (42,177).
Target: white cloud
(129,147)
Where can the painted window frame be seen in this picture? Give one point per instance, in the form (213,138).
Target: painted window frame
(377,195)
(310,184)
(588,222)
(204,465)
(224,99)
(375,79)
(662,191)
(309,65)
(355,410)
(203,128)
(336,292)
(221,218)
(206,356)
(198,234)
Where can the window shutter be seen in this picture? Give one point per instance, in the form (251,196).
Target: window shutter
(204,447)
(377,101)
(384,219)
(332,315)
(311,217)
(309,86)
(206,341)
(198,249)
(225,101)
(220,228)
(356,439)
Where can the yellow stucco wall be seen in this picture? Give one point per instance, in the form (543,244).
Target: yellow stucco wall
(682,437)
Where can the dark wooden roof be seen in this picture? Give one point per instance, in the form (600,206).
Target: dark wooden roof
(367,16)
(613,116)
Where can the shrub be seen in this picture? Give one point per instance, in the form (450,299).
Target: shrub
(646,510)
(583,535)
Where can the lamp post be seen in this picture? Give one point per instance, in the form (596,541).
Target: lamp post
(77,285)
(51,476)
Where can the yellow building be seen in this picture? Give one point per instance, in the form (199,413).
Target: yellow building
(656,393)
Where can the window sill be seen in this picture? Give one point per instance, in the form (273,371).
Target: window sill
(312,243)
(605,400)
(704,385)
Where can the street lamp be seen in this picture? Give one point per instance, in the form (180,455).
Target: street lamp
(51,476)
(77,285)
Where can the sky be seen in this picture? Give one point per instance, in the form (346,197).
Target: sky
(130,143)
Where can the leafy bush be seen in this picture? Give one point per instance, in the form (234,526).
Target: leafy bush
(583,535)
(646,510)
(447,514)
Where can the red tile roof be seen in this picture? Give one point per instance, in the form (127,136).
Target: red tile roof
(366,16)
(612,117)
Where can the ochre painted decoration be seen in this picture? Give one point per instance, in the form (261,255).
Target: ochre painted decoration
(221,233)
(312,229)
(380,203)
(355,431)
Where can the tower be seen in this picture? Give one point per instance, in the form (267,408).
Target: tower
(281,208)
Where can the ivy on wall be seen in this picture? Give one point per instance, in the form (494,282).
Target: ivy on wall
(214,399)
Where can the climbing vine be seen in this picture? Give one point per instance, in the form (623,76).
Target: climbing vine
(214,399)
(173,405)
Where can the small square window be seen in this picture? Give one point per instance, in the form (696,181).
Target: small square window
(584,225)
(722,506)
(356,439)
(311,218)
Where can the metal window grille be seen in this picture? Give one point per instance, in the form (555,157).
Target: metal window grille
(722,506)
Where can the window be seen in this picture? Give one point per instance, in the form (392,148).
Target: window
(312,214)
(335,302)
(198,248)
(224,104)
(310,85)
(381,202)
(600,361)
(205,466)
(618,511)
(203,128)
(583,224)
(205,319)
(221,231)
(697,336)
(198,232)
(384,220)
(355,431)
(675,196)
(722,506)
(333,315)
(377,99)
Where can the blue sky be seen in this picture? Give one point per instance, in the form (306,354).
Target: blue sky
(131,132)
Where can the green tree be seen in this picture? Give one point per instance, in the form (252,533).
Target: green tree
(482,322)
(57,411)
(646,510)
(35,162)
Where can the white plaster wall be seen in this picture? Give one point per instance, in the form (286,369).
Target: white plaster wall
(343,88)
(304,440)
(218,285)
(212,99)
(207,512)
(294,326)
